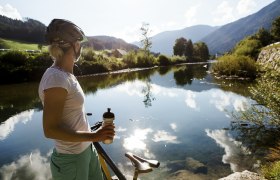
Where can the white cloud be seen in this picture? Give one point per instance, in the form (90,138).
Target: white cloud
(190,100)
(9,11)
(222,100)
(240,104)
(245,7)
(120,129)
(223,13)
(33,166)
(162,135)
(235,154)
(136,89)
(129,33)
(173,126)
(136,141)
(8,126)
(190,15)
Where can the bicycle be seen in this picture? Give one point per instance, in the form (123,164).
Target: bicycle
(140,164)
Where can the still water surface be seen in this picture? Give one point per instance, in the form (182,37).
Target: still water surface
(177,115)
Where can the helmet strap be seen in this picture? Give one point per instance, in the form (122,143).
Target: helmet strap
(77,54)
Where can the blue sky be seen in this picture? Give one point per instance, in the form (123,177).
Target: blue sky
(123,18)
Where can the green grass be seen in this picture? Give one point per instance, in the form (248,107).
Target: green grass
(17,45)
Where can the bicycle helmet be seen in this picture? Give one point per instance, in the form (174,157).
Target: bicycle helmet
(63,33)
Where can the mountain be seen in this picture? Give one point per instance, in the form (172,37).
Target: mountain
(33,31)
(29,30)
(107,42)
(225,38)
(164,41)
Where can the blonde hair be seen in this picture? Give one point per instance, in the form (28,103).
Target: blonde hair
(56,52)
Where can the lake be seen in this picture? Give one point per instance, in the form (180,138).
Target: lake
(179,115)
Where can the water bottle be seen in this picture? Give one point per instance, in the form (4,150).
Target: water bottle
(108,118)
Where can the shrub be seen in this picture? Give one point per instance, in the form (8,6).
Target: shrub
(178,59)
(164,60)
(88,54)
(271,171)
(130,59)
(248,47)
(235,65)
(14,58)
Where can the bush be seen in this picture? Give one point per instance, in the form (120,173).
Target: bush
(14,58)
(163,60)
(248,47)
(88,54)
(145,60)
(178,59)
(130,59)
(271,171)
(230,65)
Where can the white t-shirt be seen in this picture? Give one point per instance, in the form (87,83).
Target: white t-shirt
(73,115)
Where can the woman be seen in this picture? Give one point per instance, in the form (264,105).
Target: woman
(63,114)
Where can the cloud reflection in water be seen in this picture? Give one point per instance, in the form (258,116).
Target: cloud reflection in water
(235,154)
(7,127)
(32,166)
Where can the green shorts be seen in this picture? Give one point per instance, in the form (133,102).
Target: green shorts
(83,166)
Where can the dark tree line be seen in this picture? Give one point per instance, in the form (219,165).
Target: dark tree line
(29,31)
(193,52)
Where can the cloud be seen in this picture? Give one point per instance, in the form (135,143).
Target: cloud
(10,12)
(235,154)
(245,7)
(8,126)
(173,126)
(120,129)
(32,167)
(135,89)
(222,100)
(136,141)
(223,13)
(190,15)
(190,100)
(162,135)
(129,33)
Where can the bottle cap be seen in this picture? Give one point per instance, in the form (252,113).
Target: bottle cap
(108,114)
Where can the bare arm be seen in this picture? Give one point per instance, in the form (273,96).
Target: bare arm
(54,99)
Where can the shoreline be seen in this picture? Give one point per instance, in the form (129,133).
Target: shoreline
(139,69)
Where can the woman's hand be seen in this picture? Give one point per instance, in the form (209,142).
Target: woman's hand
(104,132)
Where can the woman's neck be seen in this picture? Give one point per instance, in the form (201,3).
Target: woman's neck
(65,64)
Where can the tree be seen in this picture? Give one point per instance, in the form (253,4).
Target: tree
(189,49)
(249,46)
(263,36)
(146,40)
(201,51)
(275,29)
(40,46)
(180,47)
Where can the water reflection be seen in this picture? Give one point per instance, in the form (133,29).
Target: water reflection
(17,98)
(165,136)
(30,166)
(173,126)
(185,74)
(183,101)
(148,95)
(137,140)
(222,100)
(7,127)
(235,153)
(190,100)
